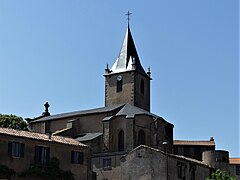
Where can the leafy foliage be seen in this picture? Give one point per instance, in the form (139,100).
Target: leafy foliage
(220,175)
(52,172)
(6,172)
(13,121)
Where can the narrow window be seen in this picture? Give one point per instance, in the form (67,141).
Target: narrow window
(141,137)
(76,157)
(191,152)
(181,170)
(121,140)
(15,149)
(192,171)
(47,127)
(119,85)
(107,164)
(180,150)
(42,155)
(142,86)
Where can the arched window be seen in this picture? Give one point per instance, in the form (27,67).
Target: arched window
(121,140)
(142,86)
(119,85)
(141,137)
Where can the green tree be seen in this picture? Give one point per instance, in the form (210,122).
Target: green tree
(51,172)
(220,175)
(13,121)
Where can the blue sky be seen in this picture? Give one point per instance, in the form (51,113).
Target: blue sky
(57,51)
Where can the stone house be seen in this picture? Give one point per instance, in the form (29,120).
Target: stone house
(146,163)
(21,150)
(149,163)
(193,149)
(234,167)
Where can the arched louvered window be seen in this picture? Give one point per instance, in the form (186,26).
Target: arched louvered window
(121,140)
(141,137)
(142,86)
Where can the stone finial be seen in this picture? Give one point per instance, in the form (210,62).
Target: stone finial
(46,112)
(149,71)
(133,63)
(107,71)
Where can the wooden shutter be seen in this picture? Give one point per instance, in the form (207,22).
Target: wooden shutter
(9,148)
(47,155)
(72,156)
(80,157)
(22,150)
(36,154)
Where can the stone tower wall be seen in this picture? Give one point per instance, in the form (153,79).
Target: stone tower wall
(126,95)
(131,90)
(218,159)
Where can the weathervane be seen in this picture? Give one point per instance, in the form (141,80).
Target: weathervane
(128,16)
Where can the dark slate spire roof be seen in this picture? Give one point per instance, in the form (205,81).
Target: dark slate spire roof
(128,58)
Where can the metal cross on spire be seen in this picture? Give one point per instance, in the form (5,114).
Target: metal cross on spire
(128,16)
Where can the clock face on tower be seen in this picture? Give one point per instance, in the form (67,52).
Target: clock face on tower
(119,77)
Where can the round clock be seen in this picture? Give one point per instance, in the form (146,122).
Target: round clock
(119,78)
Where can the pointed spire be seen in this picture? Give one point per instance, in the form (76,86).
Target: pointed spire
(128,57)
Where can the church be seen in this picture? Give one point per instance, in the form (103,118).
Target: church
(125,139)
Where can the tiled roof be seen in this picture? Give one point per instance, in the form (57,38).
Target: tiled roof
(193,143)
(119,109)
(234,160)
(79,113)
(88,137)
(131,111)
(38,136)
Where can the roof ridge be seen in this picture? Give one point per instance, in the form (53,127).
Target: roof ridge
(39,136)
(76,113)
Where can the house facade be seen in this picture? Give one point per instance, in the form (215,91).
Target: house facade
(149,163)
(23,150)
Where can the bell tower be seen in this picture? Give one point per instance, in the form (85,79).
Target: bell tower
(126,82)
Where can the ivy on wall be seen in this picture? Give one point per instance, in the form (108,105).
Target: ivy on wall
(51,172)
(6,172)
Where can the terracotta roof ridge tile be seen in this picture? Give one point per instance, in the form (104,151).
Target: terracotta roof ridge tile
(234,160)
(193,142)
